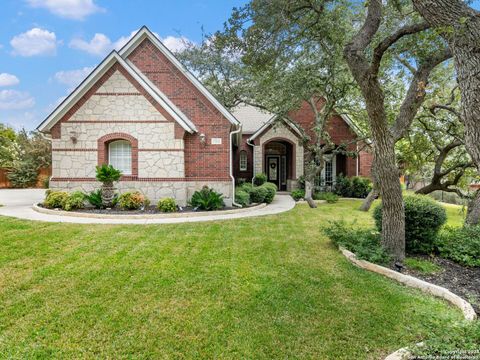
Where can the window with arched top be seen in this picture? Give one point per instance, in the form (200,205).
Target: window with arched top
(120,156)
(243,160)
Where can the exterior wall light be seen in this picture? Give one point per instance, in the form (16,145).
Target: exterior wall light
(203,139)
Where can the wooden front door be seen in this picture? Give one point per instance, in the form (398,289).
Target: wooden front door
(273,169)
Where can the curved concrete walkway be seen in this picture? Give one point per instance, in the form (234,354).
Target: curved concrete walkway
(18,203)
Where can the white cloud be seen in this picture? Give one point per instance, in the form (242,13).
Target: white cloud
(101,44)
(8,79)
(72,78)
(15,100)
(176,44)
(34,42)
(70,9)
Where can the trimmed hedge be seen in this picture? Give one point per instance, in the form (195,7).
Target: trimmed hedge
(167,205)
(242,197)
(423,219)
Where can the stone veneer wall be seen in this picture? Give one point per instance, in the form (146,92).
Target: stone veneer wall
(279,131)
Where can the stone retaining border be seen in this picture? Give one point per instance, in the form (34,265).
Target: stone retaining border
(413,282)
(43,210)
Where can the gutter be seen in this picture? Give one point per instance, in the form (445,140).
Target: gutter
(253,157)
(232,133)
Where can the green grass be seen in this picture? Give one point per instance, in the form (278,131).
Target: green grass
(421,265)
(270,287)
(455,214)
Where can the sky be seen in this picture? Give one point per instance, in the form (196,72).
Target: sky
(47,47)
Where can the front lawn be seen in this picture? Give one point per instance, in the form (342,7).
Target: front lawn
(270,287)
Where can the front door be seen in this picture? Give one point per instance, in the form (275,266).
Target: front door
(273,169)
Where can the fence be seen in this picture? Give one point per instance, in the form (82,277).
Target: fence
(42,175)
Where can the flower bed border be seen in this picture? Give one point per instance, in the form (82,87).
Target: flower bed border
(174,215)
(411,281)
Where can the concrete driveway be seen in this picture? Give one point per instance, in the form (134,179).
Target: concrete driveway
(21,197)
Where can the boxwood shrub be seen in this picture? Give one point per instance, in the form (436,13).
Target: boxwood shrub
(298,194)
(167,205)
(260,179)
(74,201)
(423,219)
(242,197)
(271,191)
(258,194)
(55,199)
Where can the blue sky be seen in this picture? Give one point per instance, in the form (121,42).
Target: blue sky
(48,46)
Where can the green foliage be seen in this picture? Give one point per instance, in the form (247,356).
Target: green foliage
(271,191)
(167,205)
(75,200)
(95,199)
(55,199)
(107,174)
(260,179)
(298,194)
(331,198)
(133,200)
(23,173)
(460,244)
(207,199)
(258,194)
(354,187)
(460,336)
(364,243)
(423,219)
(242,197)
(247,187)
(423,266)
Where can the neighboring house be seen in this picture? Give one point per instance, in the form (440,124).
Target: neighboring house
(143,112)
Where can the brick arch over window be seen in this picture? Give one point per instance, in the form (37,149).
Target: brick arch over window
(102,149)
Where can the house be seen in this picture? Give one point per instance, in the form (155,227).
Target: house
(143,112)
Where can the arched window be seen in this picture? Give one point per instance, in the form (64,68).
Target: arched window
(120,156)
(243,160)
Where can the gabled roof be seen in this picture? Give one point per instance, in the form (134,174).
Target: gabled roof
(270,122)
(95,75)
(145,33)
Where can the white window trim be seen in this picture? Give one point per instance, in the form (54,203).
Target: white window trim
(243,168)
(129,172)
(333,158)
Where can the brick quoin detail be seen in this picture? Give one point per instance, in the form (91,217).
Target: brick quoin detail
(102,148)
(200,160)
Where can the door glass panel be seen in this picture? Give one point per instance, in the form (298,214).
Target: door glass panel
(272,169)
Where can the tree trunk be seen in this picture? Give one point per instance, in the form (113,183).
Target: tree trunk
(368,201)
(464,41)
(309,192)
(473,211)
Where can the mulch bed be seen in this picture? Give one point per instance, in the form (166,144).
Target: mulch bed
(462,281)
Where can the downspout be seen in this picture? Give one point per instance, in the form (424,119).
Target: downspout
(232,133)
(357,160)
(253,158)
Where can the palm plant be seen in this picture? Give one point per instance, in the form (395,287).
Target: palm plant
(107,175)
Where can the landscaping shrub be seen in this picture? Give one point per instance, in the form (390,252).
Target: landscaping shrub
(95,199)
(167,205)
(298,194)
(331,198)
(260,179)
(55,199)
(133,200)
(258,194)
(355,187)
(107,175)
(242,197)
(423,219)
(75,200)
(247,187)
(271,191)
(364,243)
(23,174)
(461,244)
(207,199)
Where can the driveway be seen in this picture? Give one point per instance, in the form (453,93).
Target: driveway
(18,203)
(21,197)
